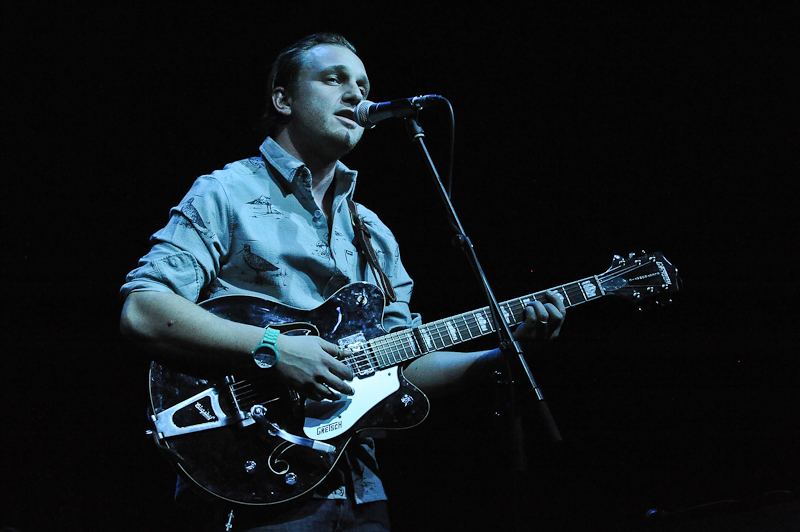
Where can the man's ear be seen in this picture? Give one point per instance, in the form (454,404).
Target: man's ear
(281,101)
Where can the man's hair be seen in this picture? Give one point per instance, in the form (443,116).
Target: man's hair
(286,69)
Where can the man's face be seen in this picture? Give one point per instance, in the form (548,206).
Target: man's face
(330,84)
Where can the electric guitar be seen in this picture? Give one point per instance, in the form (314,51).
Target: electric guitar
(256,442)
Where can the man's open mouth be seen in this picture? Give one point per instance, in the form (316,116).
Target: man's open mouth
(347,114)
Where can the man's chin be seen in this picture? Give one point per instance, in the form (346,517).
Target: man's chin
(349,140)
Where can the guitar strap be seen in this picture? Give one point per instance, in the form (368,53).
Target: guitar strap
(364,239)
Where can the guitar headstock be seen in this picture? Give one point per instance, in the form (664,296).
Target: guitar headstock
(640,277)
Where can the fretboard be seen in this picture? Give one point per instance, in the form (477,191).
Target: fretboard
(395,348)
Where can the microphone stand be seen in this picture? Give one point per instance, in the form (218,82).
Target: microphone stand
(534,400)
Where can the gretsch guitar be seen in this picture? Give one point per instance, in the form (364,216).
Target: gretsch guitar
(256,442)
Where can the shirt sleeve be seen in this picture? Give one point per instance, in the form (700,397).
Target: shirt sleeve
(186,254)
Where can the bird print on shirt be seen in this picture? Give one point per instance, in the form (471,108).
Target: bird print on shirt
(257,263)
(193,216)
(215,286)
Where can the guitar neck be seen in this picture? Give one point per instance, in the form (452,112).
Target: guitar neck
(396,348)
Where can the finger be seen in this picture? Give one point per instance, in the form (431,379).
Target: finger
(556,299)
(555,320)
(337,384)
(340,370)
(336,364)
(332,388)
(540,314)
(554,315)
(320,392)
(530,320)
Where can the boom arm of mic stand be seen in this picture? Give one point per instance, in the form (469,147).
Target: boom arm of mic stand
(509,347)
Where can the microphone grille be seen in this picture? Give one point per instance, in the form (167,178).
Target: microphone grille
(362,113)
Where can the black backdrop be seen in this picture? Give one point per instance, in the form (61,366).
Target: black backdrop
(582,131)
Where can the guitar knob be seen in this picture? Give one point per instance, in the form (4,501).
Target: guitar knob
(291,479)
(250,467)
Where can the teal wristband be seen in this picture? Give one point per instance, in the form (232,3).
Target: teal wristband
(270,338)
(265,355)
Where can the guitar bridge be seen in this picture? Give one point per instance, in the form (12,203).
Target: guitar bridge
(195,414)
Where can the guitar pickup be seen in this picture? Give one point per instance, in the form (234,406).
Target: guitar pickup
(195,414)
(359,360)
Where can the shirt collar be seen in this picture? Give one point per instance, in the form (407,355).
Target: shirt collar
(290,167)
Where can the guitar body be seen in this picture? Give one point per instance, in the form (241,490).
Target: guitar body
(257,442)
(204,421)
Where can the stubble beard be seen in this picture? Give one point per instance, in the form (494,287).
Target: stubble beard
(337,144)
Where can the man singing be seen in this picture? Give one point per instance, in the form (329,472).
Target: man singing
(278,226)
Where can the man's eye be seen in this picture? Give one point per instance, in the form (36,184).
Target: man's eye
(333,79)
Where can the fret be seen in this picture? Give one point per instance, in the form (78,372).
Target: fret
(436,336)
(392,349)
(485,321)
(387,351)
(574,294)
(506,316)
(416,346)
(408,347)
(420,337)
(379,355)
(397,349)
(592,287)
(565,294)
(442,333)
(460,327)
(523,302)
(471,319)
(583,292)
(464,328)
(370,359)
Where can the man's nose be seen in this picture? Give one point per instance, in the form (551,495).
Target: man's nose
(352,93)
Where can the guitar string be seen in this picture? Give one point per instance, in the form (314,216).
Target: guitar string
(250,395)
(393,348)
(448,332)
(444,333)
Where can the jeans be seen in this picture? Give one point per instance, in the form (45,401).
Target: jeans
(314,515)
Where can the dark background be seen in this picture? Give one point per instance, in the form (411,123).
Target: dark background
(582,131)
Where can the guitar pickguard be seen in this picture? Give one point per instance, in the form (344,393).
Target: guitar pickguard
(328,419)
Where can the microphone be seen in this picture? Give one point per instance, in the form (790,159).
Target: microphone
(368,113)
